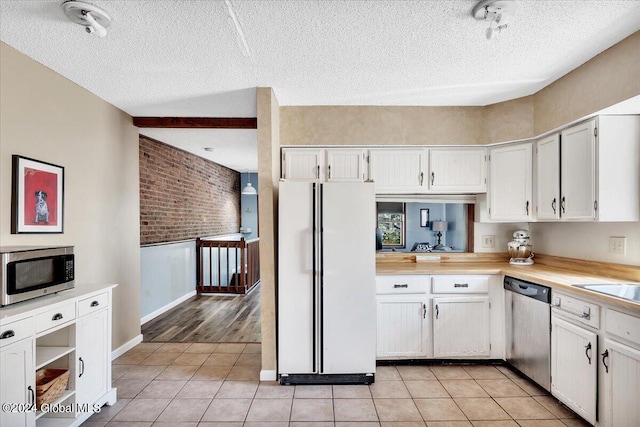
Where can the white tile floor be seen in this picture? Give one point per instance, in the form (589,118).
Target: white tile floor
(210,385)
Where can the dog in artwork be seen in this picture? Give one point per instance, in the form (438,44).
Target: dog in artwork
(42,208)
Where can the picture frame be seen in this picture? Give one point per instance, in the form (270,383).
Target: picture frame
(424,217)
(37,196)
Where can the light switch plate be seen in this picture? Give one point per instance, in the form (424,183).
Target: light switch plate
(617,245)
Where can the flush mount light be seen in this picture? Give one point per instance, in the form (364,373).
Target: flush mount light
(94,19)
(496,12)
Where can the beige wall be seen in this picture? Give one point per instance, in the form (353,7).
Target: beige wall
(371,125)
(47,117)
(609,78)
(508,121)
(268,178)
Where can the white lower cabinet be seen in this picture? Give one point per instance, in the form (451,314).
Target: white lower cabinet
(17,384)
(621,384)
(81,344)
(92,357)
(461,327)
(574,367)
(402,326)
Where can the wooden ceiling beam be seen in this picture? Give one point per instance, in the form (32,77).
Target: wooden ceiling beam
(197,122)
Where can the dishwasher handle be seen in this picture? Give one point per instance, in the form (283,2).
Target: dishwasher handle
(527,289)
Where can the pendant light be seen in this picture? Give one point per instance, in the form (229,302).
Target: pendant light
(249,190)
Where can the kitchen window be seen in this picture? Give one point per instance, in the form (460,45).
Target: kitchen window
(391,225)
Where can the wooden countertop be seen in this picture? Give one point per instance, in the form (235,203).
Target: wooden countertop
(552,276)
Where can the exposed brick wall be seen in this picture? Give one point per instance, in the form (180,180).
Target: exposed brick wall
(183,196)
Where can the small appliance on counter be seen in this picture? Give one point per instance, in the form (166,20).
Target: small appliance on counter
(31,271)
(520,248)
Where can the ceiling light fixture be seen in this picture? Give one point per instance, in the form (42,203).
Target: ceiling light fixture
(209,149)
(496,12)
(94,19)
(249,190)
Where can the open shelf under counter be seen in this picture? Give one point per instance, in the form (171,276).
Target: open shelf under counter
(46,355)
(40,415)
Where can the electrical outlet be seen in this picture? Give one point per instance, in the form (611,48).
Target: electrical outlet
(617,245)
(489,241)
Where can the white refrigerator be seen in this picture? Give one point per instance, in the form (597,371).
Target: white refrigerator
(326,283)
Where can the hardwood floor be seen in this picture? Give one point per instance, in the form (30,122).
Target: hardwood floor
(209,318)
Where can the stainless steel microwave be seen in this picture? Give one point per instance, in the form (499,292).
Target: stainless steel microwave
(29,272)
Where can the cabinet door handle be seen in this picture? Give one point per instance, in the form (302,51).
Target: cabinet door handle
(433,177)
(7,334)
(404,285)
(57,316)
(562,204)
(553,205)
(587,349)
(81,367)
(527,207)
(95,304)
(424,311)
(605,356)
(329,172)
(437,311)
(318,172)
(460,285)
(32,396)
(421,178)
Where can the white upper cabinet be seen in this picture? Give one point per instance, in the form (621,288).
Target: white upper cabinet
(548,178)
(457,170)
(577,172)
(510,182)
(591,171)
(345,165)
(618,168)
(303,164)
(398,170)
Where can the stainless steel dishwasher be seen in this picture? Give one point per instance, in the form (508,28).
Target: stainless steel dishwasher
(528,329)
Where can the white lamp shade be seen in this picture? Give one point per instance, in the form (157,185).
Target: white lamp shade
(439,226)
(249,190)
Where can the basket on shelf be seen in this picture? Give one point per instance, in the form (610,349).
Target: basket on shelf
(50,385)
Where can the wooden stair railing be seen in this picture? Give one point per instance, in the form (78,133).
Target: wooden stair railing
(227,266)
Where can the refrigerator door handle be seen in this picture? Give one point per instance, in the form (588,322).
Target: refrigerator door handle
(314,281)
(321,266)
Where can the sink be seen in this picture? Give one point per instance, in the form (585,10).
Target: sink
(629,292)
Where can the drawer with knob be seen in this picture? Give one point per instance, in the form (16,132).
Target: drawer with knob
(95,303)
(55,317)
(402,284)
(584,312)
(460,284)
(16,331)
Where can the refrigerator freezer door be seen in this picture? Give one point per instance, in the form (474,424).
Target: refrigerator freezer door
(296,334)
(347,272)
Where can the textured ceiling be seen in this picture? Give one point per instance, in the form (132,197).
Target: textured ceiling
(191,58)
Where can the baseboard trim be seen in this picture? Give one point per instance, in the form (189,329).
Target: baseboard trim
(126,347)
(166,308)
(267,375)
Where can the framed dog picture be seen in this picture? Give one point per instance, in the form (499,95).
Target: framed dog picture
(37,196)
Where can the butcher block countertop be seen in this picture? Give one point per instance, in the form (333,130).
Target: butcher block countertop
(555,272)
